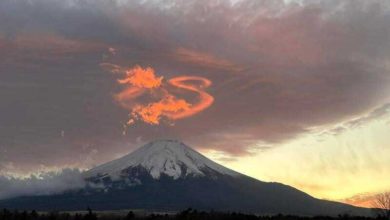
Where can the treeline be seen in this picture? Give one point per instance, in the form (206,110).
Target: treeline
(188,214)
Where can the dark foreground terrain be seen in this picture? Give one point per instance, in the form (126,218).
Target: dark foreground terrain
(188,214)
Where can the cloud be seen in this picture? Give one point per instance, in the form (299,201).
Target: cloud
(364,200)
(204,59)
(138,81)
(376,113)
(276,69)
(41,184)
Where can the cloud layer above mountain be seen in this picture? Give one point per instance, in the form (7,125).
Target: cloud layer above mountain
(277,70)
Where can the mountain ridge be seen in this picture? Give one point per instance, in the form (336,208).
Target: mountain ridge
(170,176)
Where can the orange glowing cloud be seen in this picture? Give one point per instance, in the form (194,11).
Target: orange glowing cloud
(205,99)
(142,78)
(162,103)
(153,112)
(368,200)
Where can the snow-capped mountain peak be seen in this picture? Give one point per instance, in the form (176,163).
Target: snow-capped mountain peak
(163,157)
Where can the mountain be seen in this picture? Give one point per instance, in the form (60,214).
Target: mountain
(160,158)
(168,175)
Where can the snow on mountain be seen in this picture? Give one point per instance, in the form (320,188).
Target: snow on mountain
(168,157)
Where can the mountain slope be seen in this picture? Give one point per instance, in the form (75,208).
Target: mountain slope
(168,175)
(168,157)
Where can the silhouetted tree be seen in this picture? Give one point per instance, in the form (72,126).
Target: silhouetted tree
(34,215)
(77,216)
(382,202)
(24,215)
(53,215)
(90,215)
(130,216)
(5,214)
(189,214)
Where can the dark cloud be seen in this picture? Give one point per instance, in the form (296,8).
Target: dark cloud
(277,70)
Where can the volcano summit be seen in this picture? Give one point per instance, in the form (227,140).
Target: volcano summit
(168,158)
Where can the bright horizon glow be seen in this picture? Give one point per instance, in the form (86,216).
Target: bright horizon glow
(333,167)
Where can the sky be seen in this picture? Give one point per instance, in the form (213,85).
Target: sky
(285,91)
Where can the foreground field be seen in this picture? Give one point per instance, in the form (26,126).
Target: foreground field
(188,214)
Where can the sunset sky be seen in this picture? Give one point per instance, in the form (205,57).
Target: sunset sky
(296,92)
